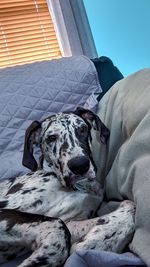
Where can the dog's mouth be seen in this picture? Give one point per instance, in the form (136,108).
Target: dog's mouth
(72,179)
(83,184)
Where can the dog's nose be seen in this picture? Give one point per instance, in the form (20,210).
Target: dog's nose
(79,165)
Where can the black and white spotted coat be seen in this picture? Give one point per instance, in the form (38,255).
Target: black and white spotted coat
(62,185)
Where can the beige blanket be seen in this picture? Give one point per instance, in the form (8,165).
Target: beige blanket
(124,164)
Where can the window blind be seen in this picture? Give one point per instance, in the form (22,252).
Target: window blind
(27,32)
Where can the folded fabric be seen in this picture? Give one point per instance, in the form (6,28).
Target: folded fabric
(124,164)
(95,258)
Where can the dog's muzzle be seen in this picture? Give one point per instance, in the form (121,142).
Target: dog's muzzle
(82,177)
(79,165)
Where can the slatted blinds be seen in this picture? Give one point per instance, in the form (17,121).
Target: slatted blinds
(26,32)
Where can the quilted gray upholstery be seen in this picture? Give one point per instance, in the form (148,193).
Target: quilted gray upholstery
(35,91)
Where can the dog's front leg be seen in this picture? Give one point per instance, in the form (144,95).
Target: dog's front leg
(51,245)
(48,238)
(111,232)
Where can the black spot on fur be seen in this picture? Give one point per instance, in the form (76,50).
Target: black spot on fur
(15,188)
(101,221)
(49,174)
(58,246)
(12,180)
(42,259)
(29,174)
(109,236)
(80,239)
(25,191)
(54,244)
(3,204)
(60,165)
(54,150)
(71,139)
(41,190)
(33,188)
(78,121)
(46,247)
(45,180)
(64,147)
(93,247)
(52,253)
(37,202)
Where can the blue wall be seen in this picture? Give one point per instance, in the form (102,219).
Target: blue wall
(121,31)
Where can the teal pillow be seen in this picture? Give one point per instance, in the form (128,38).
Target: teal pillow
(108,74)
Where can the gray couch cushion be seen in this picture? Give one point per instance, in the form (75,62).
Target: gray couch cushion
(35,91)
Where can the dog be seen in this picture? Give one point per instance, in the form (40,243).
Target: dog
(51,210)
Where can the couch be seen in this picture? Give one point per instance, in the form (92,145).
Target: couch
(35,91)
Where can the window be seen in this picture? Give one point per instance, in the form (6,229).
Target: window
(72,27)
(35,30)
(26,32)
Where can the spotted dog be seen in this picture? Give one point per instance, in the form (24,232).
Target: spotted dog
(61,185)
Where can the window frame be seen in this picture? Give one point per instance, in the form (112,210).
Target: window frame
(72,27)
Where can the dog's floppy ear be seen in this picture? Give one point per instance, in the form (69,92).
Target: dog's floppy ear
(31,137)
(95,122)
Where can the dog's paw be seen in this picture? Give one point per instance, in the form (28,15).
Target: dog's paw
(112,232)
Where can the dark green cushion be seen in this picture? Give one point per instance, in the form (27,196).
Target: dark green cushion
(108,74)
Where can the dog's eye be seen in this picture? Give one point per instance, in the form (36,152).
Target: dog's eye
(83,129)
(51,138)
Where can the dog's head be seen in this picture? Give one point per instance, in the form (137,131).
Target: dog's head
(64,140)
